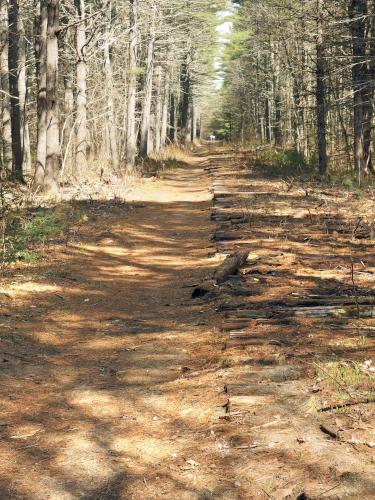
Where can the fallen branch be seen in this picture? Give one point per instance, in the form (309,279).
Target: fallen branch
(338,406)
(247,446)
(330,432)
(333,434)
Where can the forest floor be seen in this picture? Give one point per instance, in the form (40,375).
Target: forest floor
(116,384)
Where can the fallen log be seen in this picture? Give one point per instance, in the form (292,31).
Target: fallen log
(353,402)
(229,267)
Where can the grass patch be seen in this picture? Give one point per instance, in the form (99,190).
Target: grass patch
(27,232)
(166,160)
(347,378)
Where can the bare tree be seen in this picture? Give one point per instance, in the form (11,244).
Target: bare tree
(110,114)
(131,138)
(147,101)
(14,91)
(41,77)
(81,116)
(53,158)
(362,87)
(23,100)
(4,68)
(321,112)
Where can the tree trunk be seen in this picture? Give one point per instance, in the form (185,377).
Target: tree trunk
(173,136)
(151,133)
(362,84)
(53,159)
(146,115)
(23,95)
(81,100)
(276,95)
(193,122)
(296,130)
(131,136)
(164,119)
(321,109)
(199,127)
(267,113)
(13,87)
(41,77)
(4,69)
(110,114)
(185,111)
(277,128)
(158,108)
(68,132)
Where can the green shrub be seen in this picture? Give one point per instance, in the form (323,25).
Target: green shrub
(347,182)
(286,163)
(289,162)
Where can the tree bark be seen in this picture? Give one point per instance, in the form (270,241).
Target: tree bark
(267,115)
(13,87)
(110,114)
(81,99)
(68,132)
(276,96)
(146,115)
(4,69)
(41,77)
(164,119)
(185,109)
(321,108)
(362,88)
(158,108)
(131,137)
(53,159)
(193,122)
(23,96)
(172,134)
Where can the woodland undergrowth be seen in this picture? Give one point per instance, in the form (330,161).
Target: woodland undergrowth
(336,189)
(292,164)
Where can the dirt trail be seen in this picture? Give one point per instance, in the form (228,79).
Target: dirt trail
(117,385)
(100,393)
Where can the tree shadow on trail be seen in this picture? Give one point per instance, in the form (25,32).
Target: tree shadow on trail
(101,347)
(84,372)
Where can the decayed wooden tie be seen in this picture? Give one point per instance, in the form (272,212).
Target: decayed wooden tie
(229,267)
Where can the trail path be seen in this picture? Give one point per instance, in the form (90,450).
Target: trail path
(117,385)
